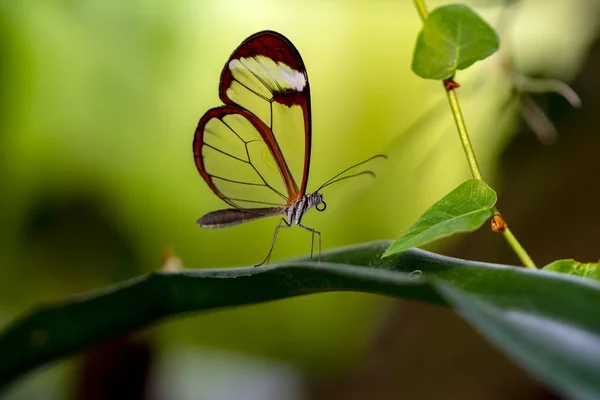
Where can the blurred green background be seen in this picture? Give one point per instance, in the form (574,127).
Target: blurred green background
(99,100)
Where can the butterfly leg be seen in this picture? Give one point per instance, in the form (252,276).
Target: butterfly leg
(282,224)
(312,242)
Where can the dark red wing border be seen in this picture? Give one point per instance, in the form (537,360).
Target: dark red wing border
(266,135)
(277,47)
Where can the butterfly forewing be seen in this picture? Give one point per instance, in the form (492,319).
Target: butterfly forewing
(267,77)
(288,128)
(255,151)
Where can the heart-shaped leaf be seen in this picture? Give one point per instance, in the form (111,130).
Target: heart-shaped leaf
(453,38)
(464,209)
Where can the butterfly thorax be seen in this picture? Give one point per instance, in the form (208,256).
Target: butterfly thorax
(297,209)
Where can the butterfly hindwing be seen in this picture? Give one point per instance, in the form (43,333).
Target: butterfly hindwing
(235,160)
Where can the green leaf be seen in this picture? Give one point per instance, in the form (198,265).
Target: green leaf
(546,322)
(561,351)
(572,267)
(464,209)
(453,38)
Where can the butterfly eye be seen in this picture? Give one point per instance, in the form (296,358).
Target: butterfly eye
(323,206)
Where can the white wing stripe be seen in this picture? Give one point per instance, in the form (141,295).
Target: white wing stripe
(275,76)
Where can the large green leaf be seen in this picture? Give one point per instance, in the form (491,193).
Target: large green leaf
(547,322)
(453,38)
(572,267)
(551,348)
(464,209)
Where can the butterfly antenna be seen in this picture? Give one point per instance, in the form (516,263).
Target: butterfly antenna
(371,173)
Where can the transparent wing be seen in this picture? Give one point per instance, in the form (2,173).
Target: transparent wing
(266,76)
(233,156)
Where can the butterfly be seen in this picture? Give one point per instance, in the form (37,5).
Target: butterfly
(251,150)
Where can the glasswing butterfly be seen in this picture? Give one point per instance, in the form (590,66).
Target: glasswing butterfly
(251,149)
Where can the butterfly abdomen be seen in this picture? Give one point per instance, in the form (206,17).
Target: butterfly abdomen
(235,216)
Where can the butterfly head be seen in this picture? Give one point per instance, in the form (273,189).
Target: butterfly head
(316,199)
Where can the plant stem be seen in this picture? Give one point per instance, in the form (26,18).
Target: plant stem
(421,8)
(516,246)
(463,134)
(449,87)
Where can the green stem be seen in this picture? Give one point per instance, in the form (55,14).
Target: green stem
(421,8)
(468,147)
(516,246)
(464,135)
(456,112)
(472,160)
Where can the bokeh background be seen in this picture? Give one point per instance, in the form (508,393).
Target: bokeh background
(99,100)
